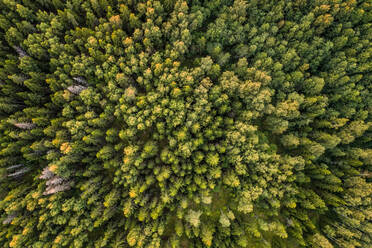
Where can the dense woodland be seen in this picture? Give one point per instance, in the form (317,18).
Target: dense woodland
(170,123)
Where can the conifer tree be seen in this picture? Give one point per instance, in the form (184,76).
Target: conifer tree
(185,123)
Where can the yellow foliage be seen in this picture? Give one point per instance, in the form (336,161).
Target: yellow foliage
(58,239)
(65,148)
(53,168)
(132,193)
(115,19)
(14,241)
(67,95)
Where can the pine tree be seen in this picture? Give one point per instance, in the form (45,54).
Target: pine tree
(185,123)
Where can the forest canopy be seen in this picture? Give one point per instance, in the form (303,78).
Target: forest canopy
(173,123)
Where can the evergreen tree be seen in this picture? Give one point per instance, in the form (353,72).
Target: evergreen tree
(185,123)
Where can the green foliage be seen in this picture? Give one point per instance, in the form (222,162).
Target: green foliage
(185,123)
